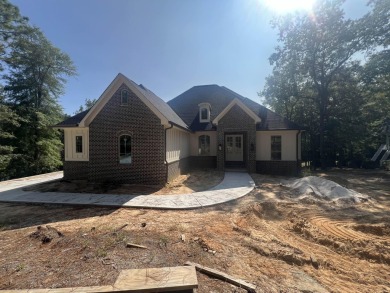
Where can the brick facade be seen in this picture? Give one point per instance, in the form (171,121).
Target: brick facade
(74,170)
(147,145)
(178,168)
(203,162)
(287,168)
(239,122)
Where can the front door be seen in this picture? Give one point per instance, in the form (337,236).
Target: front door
(234,148)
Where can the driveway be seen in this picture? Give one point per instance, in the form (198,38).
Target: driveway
(233,186)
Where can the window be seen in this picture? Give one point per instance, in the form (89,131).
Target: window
(79,144)
(204,112)
(238,142)
(124,98)
(276,147)
(204,145)
(229,143)
(125,149)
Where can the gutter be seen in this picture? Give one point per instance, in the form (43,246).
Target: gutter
(179,126)
(64,126)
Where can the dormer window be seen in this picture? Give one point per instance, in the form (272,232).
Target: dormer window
(204,112)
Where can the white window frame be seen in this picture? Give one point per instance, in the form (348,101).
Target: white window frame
(206,149)
(82,145)
(273,151)
(129,160)
(203,106)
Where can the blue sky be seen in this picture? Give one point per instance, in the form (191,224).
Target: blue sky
(169,46)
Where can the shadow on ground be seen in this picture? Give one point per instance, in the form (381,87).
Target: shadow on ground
(16,216)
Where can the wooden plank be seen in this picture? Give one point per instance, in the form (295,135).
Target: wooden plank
(223,276)
(101,289)
(168,279)
(129,245)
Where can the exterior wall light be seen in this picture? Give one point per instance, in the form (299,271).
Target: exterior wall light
(252,147)
(220,147)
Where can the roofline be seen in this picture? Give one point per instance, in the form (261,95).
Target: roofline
(239,103)
(281,129)
(181,127)
(107,94)
(67,126)
(64,126)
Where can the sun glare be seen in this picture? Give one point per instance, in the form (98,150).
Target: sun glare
(285,6)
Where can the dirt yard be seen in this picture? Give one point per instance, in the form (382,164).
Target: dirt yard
(198,180)
(269,238)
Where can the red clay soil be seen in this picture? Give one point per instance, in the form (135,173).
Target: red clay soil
(267,238)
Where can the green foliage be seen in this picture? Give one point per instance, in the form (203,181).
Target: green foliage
(318,82)
(34,80)
(87,105)
(9,120)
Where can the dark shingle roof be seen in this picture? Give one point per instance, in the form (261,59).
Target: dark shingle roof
(72,121)
(161,106)
(184,111)
(186,106)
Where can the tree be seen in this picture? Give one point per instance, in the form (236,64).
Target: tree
(36,78)
(9,120)
(376,89)
(314,51)
(12,24)
(88,103)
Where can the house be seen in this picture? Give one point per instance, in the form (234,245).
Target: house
(131,135)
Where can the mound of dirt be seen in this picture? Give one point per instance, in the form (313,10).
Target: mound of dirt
(379,230)
(268,210)
(324,189)
(46,234)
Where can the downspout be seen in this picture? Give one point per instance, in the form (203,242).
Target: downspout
(297,145)
(165,155)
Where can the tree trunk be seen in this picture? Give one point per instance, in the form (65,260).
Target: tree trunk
(322,129)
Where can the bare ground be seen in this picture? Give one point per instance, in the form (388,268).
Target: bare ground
(268,238)
(197,180)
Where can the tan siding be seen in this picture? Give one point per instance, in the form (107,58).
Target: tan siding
(70,144)
(195,142)
(263,145)
(178,144)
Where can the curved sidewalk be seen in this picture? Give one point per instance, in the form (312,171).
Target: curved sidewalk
(233,186)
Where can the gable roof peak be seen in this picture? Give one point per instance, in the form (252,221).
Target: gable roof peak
(161,109)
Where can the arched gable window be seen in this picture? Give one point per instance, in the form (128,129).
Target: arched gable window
(124,98)
(204,112)
(204,145)
(125,149)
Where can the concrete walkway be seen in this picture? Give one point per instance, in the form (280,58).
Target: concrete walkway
(233,186)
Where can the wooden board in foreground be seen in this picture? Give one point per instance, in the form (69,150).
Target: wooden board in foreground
(223,276)
(100,289)
(168,279)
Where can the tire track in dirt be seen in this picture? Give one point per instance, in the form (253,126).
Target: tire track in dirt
(343,281)
(341,229)
(337,264)
(336,228)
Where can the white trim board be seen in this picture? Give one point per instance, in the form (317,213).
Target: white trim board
(110,91)
(242,106)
